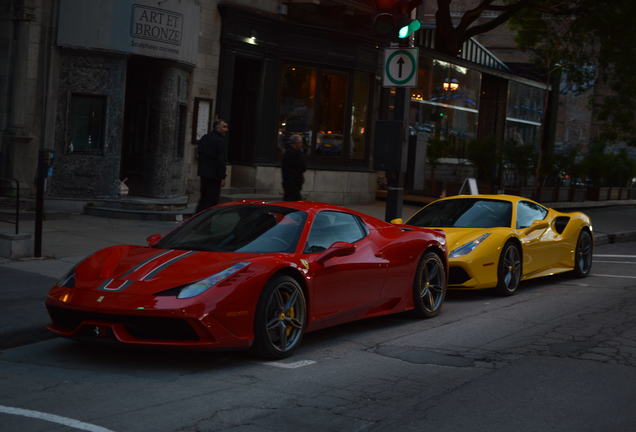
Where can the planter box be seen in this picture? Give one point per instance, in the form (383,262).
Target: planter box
(16,245)
(596,193)
(546,194)
(578,193)
(614,193)
(562,194)
(624,193)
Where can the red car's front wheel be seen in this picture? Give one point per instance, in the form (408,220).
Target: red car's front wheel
(280,318)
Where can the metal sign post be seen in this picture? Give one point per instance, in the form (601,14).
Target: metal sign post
(400,71)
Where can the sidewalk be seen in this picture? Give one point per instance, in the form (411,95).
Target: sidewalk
(25,283)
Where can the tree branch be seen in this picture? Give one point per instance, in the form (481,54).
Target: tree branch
(472,15)
(442,16)
(495,22)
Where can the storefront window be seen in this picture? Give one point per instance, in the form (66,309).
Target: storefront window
(331,118)
(87,124)
(445,103)
(298,93)
(525,102)
(524,113)
(315,104)
(359,114)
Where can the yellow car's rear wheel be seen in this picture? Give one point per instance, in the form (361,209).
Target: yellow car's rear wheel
(583,254)
(509,270)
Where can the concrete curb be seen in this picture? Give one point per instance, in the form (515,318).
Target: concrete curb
(619,237)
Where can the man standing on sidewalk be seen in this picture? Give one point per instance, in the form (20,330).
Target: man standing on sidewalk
(212,162)
(293,169)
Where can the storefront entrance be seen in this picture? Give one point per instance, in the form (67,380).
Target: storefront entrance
(154,128)
(246,91)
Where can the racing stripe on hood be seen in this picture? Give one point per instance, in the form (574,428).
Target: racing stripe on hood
(147,261)
(163,266)
(106,285)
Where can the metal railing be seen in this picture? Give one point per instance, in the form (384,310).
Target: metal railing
(16,222)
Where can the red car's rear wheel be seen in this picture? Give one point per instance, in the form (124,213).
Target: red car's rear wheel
(429,289)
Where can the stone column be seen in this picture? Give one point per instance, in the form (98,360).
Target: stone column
(16,134)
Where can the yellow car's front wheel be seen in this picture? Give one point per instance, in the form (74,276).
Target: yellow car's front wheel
(509,270)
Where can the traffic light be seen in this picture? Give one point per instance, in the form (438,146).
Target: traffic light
(409,29)
(392,16)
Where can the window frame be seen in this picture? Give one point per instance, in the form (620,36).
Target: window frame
(543,210)
(70,124)
(344,160)
(364,231)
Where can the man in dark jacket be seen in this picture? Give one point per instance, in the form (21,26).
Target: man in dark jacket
(293,169)
(212,162)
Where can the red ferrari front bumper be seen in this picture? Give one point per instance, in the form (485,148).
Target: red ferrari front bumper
(186,327)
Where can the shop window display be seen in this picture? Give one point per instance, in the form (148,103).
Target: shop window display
(328,108)
(524,113)
(87,124)
(445,103)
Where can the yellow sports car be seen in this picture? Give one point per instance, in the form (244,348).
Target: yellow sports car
(496,241)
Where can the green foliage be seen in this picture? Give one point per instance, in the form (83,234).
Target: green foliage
(436,150)
(565,163)
(588,42)
(485,156)
(595,164)
(522,158)
(622,169)
(608,169)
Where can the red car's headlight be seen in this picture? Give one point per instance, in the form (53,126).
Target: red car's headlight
(198,287)
(68,280)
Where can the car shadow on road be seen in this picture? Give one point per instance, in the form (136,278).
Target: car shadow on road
(139,361)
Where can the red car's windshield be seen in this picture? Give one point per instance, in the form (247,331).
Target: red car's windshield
(240,228)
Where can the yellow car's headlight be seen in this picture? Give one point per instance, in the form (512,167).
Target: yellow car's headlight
(468,247)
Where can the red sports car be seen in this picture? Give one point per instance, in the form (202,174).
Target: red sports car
(252,274)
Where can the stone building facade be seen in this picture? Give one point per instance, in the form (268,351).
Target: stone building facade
(121,90)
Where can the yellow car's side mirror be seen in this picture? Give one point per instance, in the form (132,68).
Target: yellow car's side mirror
(397,221)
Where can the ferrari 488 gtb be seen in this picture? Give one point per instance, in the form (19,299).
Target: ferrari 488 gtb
(499,240)
(252,274)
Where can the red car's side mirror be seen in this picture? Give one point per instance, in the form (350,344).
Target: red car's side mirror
(337,249)
(152,239)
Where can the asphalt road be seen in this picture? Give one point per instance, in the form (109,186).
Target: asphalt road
(560,355)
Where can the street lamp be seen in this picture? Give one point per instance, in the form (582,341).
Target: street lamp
(450,84)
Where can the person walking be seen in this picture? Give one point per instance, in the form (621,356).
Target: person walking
(212,162)
(293,167)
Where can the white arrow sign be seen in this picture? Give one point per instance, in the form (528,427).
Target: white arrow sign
(400,67)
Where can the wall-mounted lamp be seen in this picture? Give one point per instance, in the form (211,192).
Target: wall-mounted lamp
(450,84)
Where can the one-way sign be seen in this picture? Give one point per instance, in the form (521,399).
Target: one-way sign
(400,67)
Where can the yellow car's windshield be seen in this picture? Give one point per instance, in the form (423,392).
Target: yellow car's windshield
(465,213)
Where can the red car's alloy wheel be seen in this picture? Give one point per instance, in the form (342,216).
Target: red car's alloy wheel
(430,285)
(280,318)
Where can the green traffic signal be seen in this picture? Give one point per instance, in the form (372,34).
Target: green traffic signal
(409,29)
